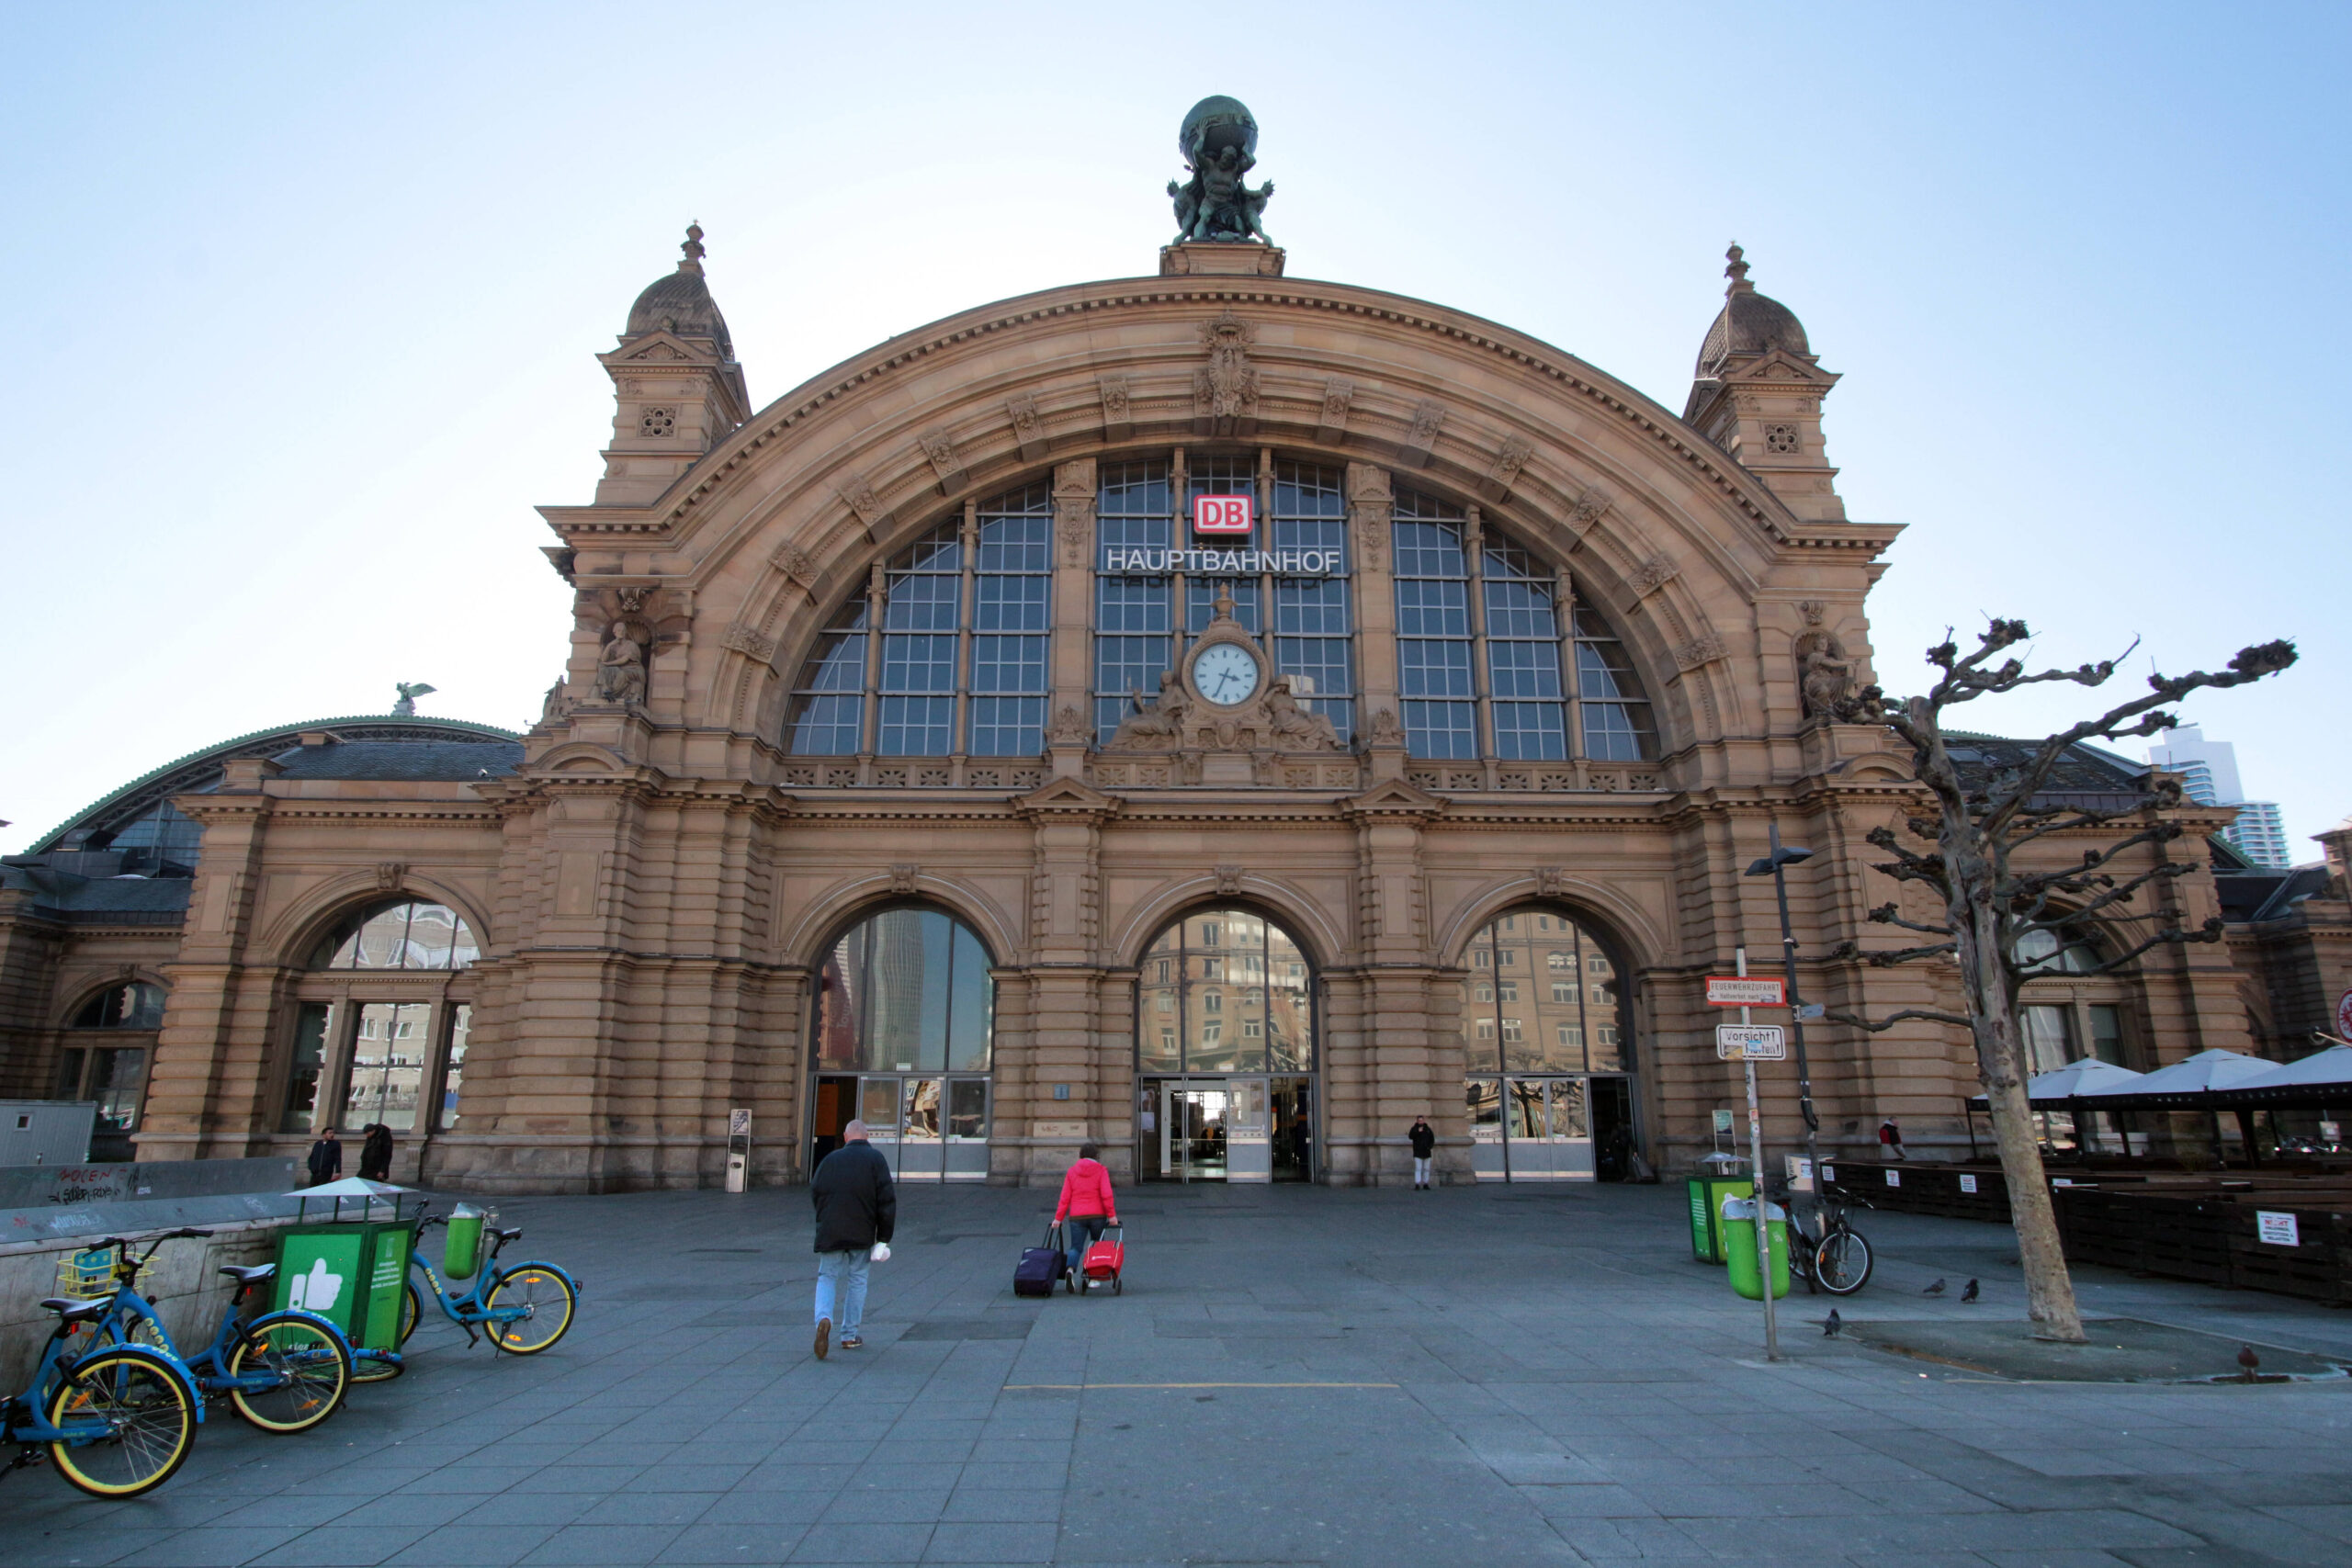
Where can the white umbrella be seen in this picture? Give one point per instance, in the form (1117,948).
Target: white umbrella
(2332,1065)
(350,1187)
(2088,1075)
(2207,1070)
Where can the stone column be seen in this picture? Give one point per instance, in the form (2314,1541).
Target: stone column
(1074,553)
(1371,507)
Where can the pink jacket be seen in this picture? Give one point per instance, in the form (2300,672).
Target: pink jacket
(1087,1190)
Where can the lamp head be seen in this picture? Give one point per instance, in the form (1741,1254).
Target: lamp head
(1786,854)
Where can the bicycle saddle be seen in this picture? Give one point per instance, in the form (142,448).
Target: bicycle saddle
(74,1308)
(509,1236)
(250,1276)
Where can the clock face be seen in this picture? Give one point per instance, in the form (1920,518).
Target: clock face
(1226,673)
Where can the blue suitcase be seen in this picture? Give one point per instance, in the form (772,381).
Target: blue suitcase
(1040,1266)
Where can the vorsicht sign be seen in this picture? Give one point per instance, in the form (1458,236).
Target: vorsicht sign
(1750,1042)
(1223,515)
(1145,561)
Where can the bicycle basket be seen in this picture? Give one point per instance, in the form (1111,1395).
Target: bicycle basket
(86,1273)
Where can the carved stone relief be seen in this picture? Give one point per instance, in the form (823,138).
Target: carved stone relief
(389,874)
(904,878)
(1027,428)
(1118,415)
(1331,425)
(944,463)
(1702,650)
(1371,503)
(1225,391)
(857,493)
(1428,414)
(1503,472)
(746,639)
(1074,508)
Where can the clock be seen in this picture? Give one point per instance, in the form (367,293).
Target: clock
(1225,673)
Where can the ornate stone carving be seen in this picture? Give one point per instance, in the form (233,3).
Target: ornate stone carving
(1295,729)
(1590,507)
(1386,728)
(1228,879)
(1652,575)
(1825,675)
(1812,610)
(1503,472)
(1118,415)
(389,874)
(1702,650)
(1027,428)
(1070,728)
(557,706)
(632,600)
(904,878)
(746,639)
(1271,721)
(1074,508)
(859,495)
(1219,142)
(1428,414)
(1551,882)
(944,460)
(1371,503)
(1225,391)
(1331,425)
(410,691)
(795,564)
(620,668)
(1156,726)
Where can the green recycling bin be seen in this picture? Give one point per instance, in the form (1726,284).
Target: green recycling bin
(351,1273)
(1707,1195)
(1739,1247)
(462,1252)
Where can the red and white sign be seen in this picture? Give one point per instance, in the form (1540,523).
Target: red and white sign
(1741,991)
(1223,515)
(2343,1016)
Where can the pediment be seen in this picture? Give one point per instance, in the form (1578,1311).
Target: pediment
(1782,367)
(659,348)
(1066,794)
(1393,798)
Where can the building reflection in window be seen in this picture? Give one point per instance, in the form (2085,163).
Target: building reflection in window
(113,1073)
(1225,990)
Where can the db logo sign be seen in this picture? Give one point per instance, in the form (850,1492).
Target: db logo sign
(1221,515)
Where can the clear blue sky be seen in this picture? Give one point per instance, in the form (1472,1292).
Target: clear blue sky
(305,296)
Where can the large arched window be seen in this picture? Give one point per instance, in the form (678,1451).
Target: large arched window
(963,663)
(905,1028)
(1480,635)
(105,1058)
(1546,1050)
(375,1037)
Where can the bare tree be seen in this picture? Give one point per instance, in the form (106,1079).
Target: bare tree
(1993,909)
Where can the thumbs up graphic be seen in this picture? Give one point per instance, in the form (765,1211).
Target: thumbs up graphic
(317,1290)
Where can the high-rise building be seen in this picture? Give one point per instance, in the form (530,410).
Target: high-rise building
(2209,772)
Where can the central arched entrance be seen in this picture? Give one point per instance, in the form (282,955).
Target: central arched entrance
(1224,1052)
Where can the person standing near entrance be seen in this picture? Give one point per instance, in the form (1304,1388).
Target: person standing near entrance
(857,1210)
(1424,1138)
(1088,1206)
(326,1159)
(1890,1137)
(376,1154)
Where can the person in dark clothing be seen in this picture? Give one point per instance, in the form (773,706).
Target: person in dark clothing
(1424,1137)
(857,1210)
(376,1154)
(326,1159)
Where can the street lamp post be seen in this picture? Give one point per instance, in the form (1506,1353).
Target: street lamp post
(1774,865)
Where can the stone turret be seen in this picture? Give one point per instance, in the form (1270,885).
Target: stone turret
(678,391)
(1756,393)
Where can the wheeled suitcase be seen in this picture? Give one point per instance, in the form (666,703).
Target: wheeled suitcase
(1040,1266)
(1107,1258)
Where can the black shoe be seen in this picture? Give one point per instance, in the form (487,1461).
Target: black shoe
(824,1337)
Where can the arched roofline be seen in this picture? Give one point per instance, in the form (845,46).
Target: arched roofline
(99,985)
(1641,945)
(1278,901)
(177,776)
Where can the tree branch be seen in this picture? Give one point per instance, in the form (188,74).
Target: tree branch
(1891,1020)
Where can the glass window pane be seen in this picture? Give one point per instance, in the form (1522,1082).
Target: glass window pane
(1483,1101)
(922,1125)
(2049,1038)
(967,1110)
(2106,1032)
(118,1078)
(461,1022)
(1570,1115)
(383,940)
(69,1075)
(972,1017)
(907,1015)
(309,1054)
(431,927)
(877,1107)
(387,1065)
(841,994)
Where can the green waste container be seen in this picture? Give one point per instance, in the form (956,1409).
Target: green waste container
(350,1272)
(1739,1247)
(1707,1195)
(462,1252)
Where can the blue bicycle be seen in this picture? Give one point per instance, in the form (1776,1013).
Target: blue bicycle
(282,1372)
(117,1420)
(525,1308)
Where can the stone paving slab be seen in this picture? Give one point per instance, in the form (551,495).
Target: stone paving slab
(1292,1375)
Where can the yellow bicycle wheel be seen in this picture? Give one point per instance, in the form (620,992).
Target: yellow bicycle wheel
(311,1366)
(547,1301)
(135,1416)
(412,1309)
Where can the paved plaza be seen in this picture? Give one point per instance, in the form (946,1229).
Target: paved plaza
(1479,1376)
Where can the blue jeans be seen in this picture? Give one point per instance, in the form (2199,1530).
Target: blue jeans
(840,1278)
(1079,1233)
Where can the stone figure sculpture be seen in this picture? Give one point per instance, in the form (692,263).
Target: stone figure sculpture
(1295,729)
(410,692)
(1825,675)
(1219,141)
(1155,727)
(620,672)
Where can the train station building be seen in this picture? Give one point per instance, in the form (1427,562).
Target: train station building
(1214,714)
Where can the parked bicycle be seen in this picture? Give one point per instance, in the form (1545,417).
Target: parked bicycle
(116,1419)
(524,1309)
(282,1372)
(1839,1260)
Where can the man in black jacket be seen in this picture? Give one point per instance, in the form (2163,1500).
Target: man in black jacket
(1424,1140)
(326,1159)
(857,1208)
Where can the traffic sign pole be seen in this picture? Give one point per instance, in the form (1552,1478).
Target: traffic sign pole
(1756,1168)
(1796,1023)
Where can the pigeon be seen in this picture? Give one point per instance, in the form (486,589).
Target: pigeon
(1969,1292)
(1935,1289)
(1831,1324)
(2249,1360)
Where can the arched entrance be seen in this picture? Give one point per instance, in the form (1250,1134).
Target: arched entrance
(906,1018)
(1547,1051)
(1224,1052)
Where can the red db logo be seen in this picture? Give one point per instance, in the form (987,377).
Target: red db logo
(1221,515)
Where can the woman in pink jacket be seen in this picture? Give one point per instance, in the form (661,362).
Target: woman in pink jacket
(1089,1207)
